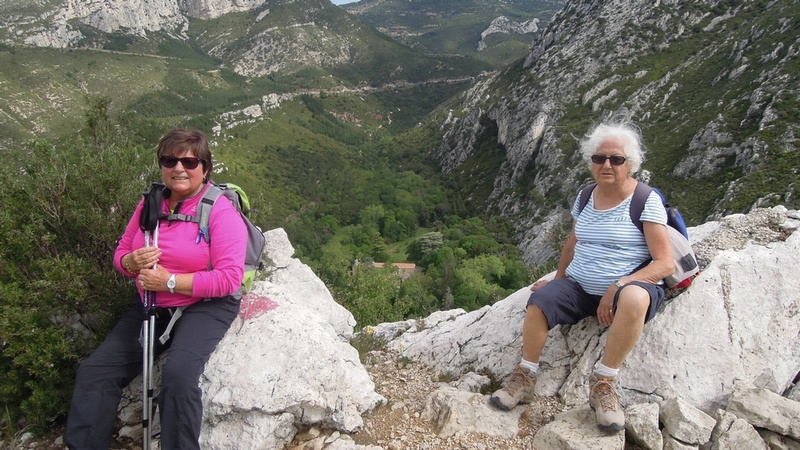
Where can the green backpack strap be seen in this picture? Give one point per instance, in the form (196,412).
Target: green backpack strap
(204,213)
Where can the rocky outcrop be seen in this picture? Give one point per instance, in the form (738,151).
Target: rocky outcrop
(263,46)
(136,17)
(505,25)
(728,341)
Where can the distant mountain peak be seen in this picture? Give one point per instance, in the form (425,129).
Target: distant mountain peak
(56,24)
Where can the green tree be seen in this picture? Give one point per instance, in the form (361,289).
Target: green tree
(477,282)
(371,294)
(424,245)
(334,265)
(372,216)
(415,298)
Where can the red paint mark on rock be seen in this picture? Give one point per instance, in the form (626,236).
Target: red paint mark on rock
(254,305)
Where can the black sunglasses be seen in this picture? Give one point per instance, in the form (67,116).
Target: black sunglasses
(188,162)
(616,160)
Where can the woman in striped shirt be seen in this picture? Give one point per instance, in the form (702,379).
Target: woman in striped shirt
(603,271)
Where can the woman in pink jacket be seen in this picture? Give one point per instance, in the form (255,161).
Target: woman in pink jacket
(181,271)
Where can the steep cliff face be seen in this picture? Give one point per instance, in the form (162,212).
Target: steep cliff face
(713,87)
(57,24)
(285,36)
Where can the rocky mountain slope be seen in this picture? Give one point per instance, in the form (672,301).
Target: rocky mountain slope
(713,86)
(253,37)
(495,32)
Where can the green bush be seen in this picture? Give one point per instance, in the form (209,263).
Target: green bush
(64,204)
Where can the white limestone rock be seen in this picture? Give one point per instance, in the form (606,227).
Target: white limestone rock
(453,410)
(642,426)
(685,422)
(766,409)
(575,429)
(733,433)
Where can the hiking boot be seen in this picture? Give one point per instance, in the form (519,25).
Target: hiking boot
(603,400)
(518,388)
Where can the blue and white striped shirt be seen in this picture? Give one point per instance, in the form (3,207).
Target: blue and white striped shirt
(609,246)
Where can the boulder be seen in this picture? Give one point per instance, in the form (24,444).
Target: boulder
(766,409)
(733,433)
(453,410)
(569,432)
(642,426)
(285,364)
(685,422)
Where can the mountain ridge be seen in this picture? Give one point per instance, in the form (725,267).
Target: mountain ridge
(495,32)
(194,59)
(254,37)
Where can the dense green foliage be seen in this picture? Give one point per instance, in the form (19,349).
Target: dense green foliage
(384,212)
(63,206)
(462,264)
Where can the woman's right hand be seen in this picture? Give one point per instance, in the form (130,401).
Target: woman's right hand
(538,284)
(143,258)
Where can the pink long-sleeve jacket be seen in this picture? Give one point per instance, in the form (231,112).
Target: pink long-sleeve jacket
(183,253)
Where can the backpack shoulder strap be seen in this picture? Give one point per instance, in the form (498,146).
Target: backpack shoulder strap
(208,199)
(640,195)
(181,217)
(586,194)
(204,211)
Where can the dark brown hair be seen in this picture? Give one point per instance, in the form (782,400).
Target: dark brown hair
(180,140)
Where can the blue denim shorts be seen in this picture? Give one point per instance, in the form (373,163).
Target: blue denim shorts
(564,302)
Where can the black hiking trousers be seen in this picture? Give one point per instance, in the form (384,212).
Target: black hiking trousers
(103,375)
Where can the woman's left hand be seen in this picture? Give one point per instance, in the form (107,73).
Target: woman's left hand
(154,280)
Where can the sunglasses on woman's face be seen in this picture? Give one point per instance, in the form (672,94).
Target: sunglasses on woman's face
(616,160)
(188,162)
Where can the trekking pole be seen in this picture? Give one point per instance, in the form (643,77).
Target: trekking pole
(148,222)
(147,362)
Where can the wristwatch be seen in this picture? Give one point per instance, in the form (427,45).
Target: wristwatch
(171,283)
(618,284)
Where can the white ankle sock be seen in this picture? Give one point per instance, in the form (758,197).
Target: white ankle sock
(532,366)
(605,371)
